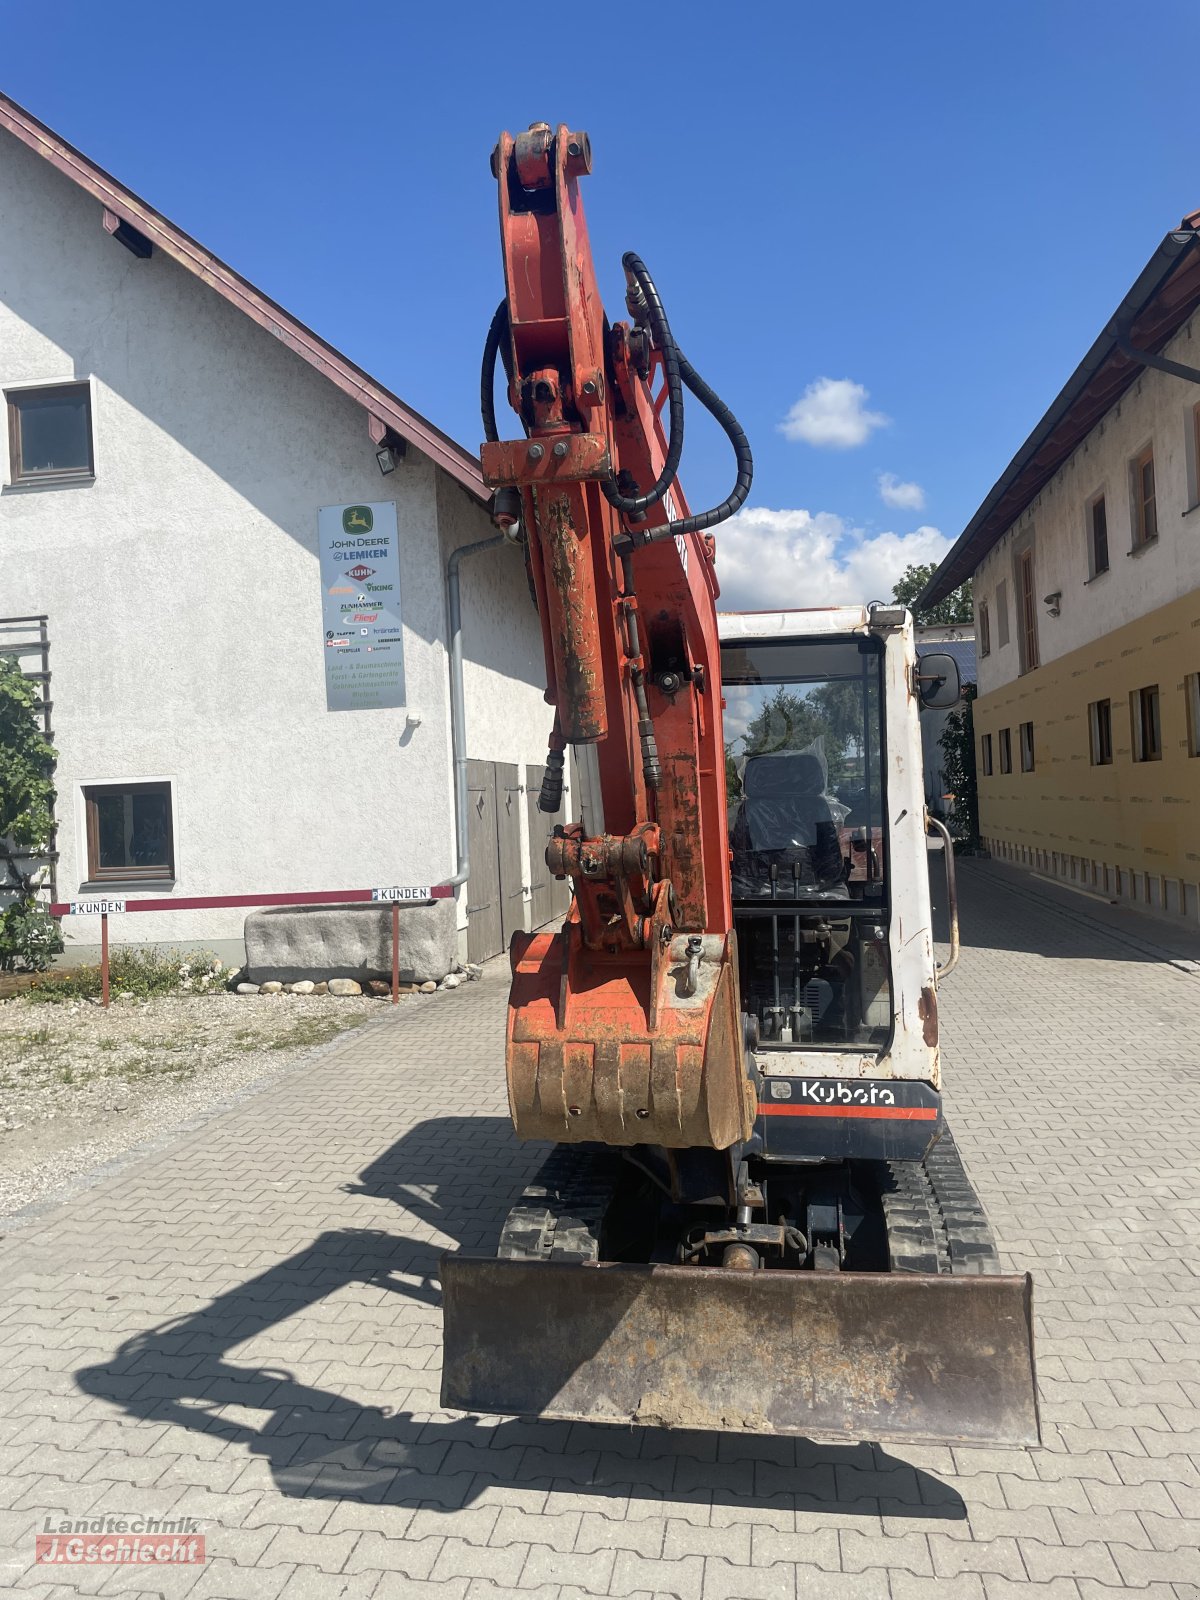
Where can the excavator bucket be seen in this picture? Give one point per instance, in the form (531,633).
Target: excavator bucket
(859,1356)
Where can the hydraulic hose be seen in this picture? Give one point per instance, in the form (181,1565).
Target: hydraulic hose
(651,304)
(635,538)
(487,377)
(678,371)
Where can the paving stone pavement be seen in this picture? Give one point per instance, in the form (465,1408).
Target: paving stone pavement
(243,1328)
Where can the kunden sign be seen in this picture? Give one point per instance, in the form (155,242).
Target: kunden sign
(360,606)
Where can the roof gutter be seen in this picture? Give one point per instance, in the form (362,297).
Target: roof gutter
(960,562)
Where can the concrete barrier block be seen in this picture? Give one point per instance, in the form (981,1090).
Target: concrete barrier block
(355,941)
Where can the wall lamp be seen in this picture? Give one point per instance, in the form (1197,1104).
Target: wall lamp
(1052,602)
(390,446)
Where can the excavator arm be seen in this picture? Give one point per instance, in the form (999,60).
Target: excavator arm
(625,1025)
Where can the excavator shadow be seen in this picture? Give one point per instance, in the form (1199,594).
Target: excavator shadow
(210,1372)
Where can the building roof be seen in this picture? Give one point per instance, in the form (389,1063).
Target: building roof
(964,653)
(127,217)
(1162,298)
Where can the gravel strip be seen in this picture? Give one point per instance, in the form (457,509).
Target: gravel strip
(80,1085)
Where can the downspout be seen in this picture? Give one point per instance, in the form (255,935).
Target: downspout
(458,709)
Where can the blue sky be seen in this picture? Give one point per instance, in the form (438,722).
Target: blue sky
(933,207)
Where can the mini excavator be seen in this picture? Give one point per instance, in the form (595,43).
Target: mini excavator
(753,1215)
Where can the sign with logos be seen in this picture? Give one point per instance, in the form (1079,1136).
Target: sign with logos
(402,894)
(359,553)
(96,908)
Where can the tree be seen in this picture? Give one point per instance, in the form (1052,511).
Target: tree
(957,740)
(956,607)
(29,937)
(830,711)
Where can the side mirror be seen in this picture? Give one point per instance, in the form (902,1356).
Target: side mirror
(938,684)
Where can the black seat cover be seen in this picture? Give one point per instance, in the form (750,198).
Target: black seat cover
(785,820)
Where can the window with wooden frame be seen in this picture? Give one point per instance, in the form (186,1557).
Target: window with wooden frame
(1191,691)
(1100,732)
(1001,614)
(1142,498)
(50,433)
(985,630)
(1027,747)
(985,754)
(130,831)
(1097,537)
(1027,600)
(1146,724)
(1005,750)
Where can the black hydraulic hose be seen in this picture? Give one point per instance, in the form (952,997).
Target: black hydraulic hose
(487,377)
(735,433)
(678,371)
(635,505)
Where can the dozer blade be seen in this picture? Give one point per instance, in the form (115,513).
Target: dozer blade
(859,1356)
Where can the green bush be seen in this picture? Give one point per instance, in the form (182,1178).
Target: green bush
(143,973)
(29,939)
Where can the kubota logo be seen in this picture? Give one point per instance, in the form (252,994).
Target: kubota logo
(360,572)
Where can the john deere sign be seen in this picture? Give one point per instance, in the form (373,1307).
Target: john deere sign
(360,607)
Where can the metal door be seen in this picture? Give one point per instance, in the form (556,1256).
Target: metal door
(508,849)
(485,930)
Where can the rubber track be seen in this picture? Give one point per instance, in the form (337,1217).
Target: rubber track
(935,1221)
(560,1214)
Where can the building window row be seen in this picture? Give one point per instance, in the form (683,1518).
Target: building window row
(1143,502)
(1145,720)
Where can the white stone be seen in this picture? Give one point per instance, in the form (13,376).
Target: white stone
(429,987)
(247,988)
(344,986)
(351,941)
(272,986)
(305,986)
(451,981)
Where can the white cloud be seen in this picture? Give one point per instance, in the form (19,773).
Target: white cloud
(788,560)
(831,414)
(909,496)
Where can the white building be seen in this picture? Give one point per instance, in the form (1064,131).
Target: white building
(173,435)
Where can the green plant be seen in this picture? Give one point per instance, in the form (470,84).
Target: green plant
(955,607)
(29,937)
(957,741)
(141,972)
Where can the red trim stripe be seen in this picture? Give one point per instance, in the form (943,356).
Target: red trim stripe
(899,1113)
(196,902)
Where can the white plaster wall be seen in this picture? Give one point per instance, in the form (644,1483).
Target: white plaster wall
(504,672)
(1157,409)
(182,586)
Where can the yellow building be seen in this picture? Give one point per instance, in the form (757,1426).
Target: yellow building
(1085,560)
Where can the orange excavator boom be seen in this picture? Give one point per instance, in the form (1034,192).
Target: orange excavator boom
(624,1026)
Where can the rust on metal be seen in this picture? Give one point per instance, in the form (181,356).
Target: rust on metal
(581,456)
(608,1045)
(859,1356)
(582,710)
(928,1013)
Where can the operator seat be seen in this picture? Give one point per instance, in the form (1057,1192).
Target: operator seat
(785,820)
